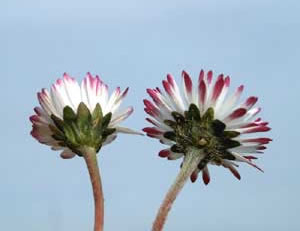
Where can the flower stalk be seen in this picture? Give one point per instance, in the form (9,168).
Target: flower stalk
(192,158)
(89,154)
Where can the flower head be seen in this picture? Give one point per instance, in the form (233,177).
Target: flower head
(206,118)
(72,116)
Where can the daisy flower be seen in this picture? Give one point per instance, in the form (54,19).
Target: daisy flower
(204,125)
(79,120)
(55,122)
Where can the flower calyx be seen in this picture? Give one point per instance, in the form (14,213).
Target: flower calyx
(83,128)
(190,129)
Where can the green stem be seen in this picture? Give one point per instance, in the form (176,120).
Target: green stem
(89,155)
(190,163)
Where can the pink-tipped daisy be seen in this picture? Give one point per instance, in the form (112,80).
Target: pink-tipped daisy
(203,125)
(80,120)
(57,123)
(204,117)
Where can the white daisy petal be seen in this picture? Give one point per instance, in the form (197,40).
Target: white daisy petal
(84,93)
(229,103)
(115,106)
(91,90)
(114,96)
(127,131)
(173,93)
(187,88)
(119,117)
(46,102)
(72,90)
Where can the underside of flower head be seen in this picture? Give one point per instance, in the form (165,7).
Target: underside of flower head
(207,118)
(71,116)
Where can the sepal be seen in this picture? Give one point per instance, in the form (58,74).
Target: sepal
(81,129)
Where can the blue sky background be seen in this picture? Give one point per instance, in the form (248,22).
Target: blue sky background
(135,43)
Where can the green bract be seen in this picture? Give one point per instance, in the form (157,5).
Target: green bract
(192,130)
(80,129)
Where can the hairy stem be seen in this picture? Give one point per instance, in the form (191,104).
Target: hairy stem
(192,159)
(89,155)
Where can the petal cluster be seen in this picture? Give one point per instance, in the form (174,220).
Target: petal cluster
(238,117)
(67,92)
